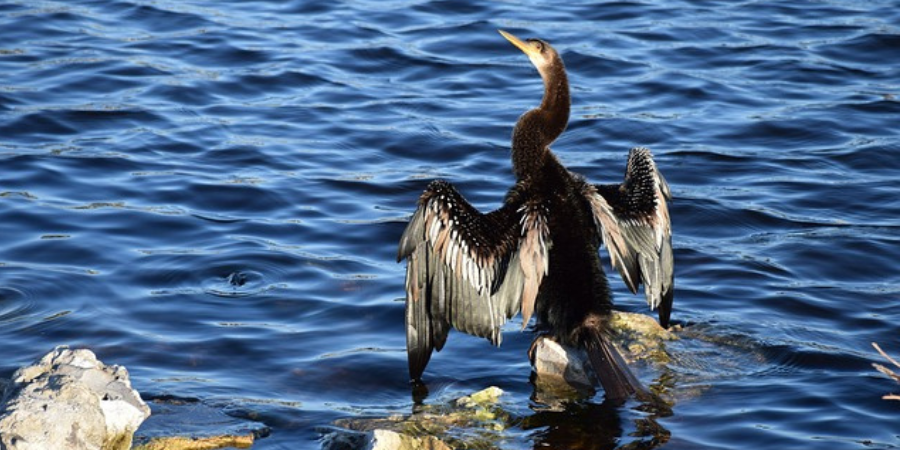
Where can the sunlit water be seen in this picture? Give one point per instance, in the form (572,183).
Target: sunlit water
(211,193)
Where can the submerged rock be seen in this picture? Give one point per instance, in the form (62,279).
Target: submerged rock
(70,400)
(182,423)
(641,337)
(561,375)
(207,443)
(474,421)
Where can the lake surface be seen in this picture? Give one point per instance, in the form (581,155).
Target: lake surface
(211,194)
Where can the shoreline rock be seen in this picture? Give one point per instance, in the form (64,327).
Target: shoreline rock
(69,399)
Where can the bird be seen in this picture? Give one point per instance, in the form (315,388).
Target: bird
(537,254)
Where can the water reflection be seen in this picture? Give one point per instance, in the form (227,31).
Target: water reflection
(562,417)
(565,418)
(592,426)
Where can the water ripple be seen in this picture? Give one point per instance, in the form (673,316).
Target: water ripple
(211,194)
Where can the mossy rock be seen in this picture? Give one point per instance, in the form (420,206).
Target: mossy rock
(473,422)
(641,337)
(207,443)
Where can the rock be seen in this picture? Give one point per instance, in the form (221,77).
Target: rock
(344,439)
(68,399)
(555,364)
(198,424)
(482,398)
(473,421)
(380,439)
(641,337)
(392,440)
(564,372)
(207,443)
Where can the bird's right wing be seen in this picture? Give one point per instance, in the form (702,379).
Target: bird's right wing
(469,270)
(634,220)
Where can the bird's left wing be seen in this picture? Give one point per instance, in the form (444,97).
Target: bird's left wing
(634,222)
(468,270)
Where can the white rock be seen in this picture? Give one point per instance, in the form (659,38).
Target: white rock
(70,400)
(391,440)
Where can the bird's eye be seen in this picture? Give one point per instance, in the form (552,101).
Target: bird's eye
(539,45)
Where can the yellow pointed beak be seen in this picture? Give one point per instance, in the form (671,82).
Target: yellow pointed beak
(527,48)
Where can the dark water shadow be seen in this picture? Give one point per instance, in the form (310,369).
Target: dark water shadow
(570,420)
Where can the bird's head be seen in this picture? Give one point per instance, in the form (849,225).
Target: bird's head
(541,54)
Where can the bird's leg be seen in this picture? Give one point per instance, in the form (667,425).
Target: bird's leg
(534,344)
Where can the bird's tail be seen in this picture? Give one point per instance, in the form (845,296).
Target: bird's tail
(617,380)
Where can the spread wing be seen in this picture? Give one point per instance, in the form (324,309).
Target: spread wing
(468,270)
(634,221)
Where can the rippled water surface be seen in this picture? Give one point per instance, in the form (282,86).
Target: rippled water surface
(211,193)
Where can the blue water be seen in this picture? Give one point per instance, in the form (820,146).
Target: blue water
(211,193)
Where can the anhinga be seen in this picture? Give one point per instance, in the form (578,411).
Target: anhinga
(538,253)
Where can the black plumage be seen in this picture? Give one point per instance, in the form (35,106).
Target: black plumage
(538,253)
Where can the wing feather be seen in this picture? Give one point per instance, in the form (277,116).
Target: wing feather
(468,270)
(634,221)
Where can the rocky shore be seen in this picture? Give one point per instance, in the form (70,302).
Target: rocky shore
(69,399)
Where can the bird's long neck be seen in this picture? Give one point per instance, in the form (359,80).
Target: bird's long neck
(538,128)
(556,98)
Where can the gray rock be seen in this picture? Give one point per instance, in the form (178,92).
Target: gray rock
(343,439)
(70,400)
(554,363)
